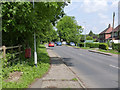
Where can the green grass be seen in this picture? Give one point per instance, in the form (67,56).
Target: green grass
(74,79)
(30,72)
(109,51)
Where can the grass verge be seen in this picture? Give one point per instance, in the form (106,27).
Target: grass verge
(107,51)
(30,72)
(110,51)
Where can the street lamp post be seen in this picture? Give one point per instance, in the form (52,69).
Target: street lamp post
(35,53)
(113,26)
(85,35)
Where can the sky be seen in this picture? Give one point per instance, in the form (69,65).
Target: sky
(93,15)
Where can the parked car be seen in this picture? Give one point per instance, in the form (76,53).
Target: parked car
(72,43)
(55,42)
(59,43)
(51,44)
(64,43)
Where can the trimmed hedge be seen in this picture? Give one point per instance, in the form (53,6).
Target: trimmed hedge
(95,45)
(116,47)
(103,46)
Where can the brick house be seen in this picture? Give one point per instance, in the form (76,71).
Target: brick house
(105,35)
(116,33)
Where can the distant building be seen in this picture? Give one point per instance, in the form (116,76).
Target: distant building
(106,34)
(116,33)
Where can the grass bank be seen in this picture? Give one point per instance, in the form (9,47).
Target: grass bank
(29,71)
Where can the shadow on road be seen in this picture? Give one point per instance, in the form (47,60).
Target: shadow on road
(57,60)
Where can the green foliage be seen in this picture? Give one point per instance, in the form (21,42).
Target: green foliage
(89,38)
(74,79)
(8,60)
(95,45)
(81,44)
(91,33)
(103,46)
(91,45)
(20,20)
(116,47)
(68,29)
(30,72)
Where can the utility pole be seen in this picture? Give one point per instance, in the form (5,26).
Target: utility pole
(85,34)
(35,53)
(113,26)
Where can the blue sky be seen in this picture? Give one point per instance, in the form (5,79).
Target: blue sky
(93,15)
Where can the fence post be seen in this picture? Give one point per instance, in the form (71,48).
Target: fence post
(19,49)
(4,52)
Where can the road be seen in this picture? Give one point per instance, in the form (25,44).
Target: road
(95,70)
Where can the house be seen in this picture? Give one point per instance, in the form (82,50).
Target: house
(105,35)
(116,33)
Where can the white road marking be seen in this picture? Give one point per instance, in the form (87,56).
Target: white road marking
(114,66)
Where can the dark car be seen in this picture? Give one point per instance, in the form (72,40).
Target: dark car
(51,44)
(59,44)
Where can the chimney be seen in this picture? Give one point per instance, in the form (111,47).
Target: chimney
(109,26)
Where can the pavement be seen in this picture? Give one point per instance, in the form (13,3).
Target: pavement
(59,75)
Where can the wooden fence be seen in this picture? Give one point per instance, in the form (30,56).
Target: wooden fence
(4,48)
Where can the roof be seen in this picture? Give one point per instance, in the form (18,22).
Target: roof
(117,28)
(107,30)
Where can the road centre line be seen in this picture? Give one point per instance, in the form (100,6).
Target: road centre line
(114,66)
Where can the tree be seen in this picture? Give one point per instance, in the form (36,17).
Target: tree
(68,29)
(89,38)
(20,20)
(91,33)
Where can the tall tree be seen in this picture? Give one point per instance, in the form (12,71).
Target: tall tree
(68,29)
(91,33)
(20,20)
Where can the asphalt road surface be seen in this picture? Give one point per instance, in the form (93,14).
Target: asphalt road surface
(95,70)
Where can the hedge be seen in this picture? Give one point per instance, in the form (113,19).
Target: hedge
(116,47)
(91,45)
(103,46)
(95,45)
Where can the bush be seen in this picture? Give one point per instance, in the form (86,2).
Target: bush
(116,47)
(81,44)
(95,45)
(103,46)
(91,45)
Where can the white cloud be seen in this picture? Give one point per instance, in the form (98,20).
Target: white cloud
(70,7)
(114,3)
(102,16)
(94,5)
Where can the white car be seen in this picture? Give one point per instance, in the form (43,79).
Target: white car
(64,43)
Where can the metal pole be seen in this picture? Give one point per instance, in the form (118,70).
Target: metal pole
(113,26)
(35,53)
(85,35)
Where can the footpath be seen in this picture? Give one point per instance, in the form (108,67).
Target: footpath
(59,75)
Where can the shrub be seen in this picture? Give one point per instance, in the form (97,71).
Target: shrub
(116,46)
(95,45)
(91,45)
(81,44)
(103,46)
